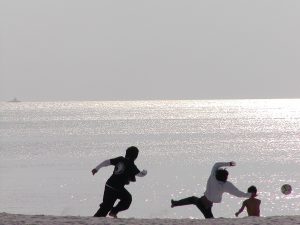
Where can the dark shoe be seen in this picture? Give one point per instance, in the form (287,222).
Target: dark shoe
(172,203)
(112,215)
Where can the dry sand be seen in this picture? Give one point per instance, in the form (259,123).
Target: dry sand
(18,219)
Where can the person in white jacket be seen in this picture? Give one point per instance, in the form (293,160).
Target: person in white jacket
(216,185)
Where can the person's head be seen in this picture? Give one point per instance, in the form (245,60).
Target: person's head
(252,189)
(132,153)
(222,175)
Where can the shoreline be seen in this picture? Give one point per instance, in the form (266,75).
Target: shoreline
(20,219)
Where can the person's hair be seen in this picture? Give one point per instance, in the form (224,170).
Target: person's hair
(252,189)
(221,175)
(132,153)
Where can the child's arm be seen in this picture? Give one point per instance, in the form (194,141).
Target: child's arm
(103,164)
(241,209)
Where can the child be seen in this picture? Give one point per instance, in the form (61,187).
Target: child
(124,173)
(216,185)
(252,204)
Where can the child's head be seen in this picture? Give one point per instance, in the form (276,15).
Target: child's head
(132,153)
(252,189)
(222,175)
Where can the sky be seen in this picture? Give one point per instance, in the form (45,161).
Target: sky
(71,50)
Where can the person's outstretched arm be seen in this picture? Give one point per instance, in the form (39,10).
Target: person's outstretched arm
(142,173)
(103,164)
(233,190)
(240,210)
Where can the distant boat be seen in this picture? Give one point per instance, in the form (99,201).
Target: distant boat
(14,100)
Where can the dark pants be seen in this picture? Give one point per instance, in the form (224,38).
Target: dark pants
(202,203)
(109,198)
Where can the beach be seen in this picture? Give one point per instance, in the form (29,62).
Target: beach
(18,219)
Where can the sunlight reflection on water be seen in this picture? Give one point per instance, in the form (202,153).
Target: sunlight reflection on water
(57,143)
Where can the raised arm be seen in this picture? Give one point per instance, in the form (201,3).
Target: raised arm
(103,164)
(221,164)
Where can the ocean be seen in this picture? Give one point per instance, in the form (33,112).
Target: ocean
(48,150)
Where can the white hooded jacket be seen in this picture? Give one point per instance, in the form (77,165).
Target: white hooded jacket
(215,188)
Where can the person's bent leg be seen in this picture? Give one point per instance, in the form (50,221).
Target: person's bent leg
(124,203)
(109,199)
(186,201)
(205,207)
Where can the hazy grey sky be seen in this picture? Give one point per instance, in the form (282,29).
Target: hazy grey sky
(156,49)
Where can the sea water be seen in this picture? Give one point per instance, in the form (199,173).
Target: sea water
(48,149)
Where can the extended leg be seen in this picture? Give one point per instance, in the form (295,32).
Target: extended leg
(202,205)
(186,201)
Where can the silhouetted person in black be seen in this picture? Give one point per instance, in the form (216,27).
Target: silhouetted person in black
(124,172)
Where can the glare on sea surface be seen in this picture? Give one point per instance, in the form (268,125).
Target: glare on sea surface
(58,143)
